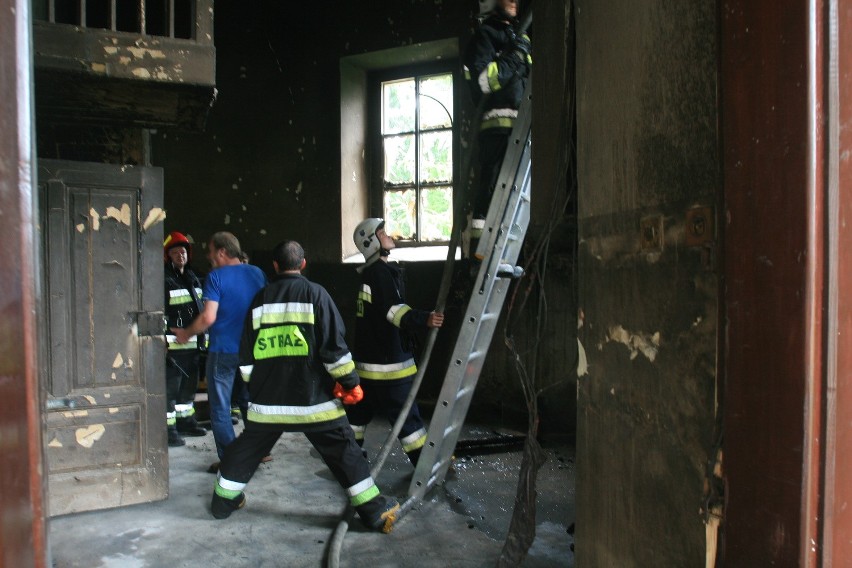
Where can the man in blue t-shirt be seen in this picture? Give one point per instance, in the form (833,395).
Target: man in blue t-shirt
(228,291)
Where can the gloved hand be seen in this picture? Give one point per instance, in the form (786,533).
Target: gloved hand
(349,397)
(522,47)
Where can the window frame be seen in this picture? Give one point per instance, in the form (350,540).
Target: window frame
(375,151)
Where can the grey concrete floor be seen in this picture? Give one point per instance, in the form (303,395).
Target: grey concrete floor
(293,506)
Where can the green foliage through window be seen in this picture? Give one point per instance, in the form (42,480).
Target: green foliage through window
(417,139)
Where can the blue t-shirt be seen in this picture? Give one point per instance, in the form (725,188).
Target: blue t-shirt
(234,287)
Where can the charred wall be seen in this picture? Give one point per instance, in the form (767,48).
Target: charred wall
(267,165)
(648,175)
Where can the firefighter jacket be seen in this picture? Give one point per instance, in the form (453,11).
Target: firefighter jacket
(385,325)
(292,352)
(183,303)
(492,67)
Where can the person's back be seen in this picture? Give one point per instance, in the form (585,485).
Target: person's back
(497,65)
(378,340)
(295,359)
(296,348)
(233,286)
(228,291)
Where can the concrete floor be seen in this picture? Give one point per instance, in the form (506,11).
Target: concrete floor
(293,506)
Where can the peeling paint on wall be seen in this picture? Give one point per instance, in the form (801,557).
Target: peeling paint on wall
(96,219)
(81,227)
(75,414)
(117,362)
(122,215)
(87,437)
(141,52)
(582,362)
(644,343)
(55,443)
(155,215)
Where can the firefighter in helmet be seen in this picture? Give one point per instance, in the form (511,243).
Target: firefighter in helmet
(497,63)
(384,340)
(183,303)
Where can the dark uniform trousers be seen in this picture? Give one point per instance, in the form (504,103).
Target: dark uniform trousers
(386,398)
(181,377)
(337,447)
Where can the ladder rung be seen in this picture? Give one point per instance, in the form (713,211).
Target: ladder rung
(475,355)
(428,484)
(439,464)
(464,392)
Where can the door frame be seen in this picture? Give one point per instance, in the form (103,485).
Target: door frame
(23,526)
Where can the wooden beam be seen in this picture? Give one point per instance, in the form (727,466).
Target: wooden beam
(22,524)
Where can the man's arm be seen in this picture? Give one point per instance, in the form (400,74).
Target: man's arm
(200,324)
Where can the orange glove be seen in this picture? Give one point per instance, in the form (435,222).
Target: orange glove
(351,396)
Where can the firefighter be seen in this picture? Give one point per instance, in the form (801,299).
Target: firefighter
(300,374)
(183,303)
(497,65)
(384,340)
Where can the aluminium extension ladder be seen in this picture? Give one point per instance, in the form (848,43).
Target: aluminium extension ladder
(500,245)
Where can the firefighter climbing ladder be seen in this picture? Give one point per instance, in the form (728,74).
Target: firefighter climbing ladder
(500,245)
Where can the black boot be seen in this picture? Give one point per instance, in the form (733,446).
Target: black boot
(413,456)
(222,507)
(190,427)
(379,513)
(175,439)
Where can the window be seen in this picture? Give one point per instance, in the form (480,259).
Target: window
(417,157)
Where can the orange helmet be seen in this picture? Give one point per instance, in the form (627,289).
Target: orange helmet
(176,239)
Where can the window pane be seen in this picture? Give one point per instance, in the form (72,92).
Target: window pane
(399,159)
(399,214)
(436,157)
(436,213)
(436,101)
(398,106)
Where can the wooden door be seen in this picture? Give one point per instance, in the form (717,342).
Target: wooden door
(104,353)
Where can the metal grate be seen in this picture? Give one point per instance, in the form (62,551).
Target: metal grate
(179,19)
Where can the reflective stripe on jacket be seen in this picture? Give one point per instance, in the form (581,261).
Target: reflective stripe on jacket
(292,352)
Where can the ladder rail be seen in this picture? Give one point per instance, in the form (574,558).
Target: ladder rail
(506,224)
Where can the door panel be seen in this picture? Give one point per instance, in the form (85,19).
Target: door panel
(105,416)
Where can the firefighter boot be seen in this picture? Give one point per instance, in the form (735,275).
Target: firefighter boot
(190,427)
(222,507)
(379,513)
(175,439)
(413,456)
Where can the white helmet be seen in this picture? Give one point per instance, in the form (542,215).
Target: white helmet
(486,7)
(366,240)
